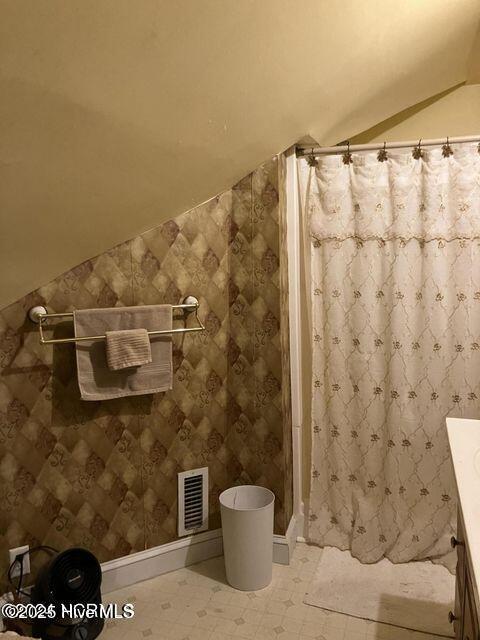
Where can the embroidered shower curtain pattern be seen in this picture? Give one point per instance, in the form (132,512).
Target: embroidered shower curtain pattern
(395,277)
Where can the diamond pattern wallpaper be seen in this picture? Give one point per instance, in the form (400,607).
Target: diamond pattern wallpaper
(104,474)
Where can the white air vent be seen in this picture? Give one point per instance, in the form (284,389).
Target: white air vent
(192,501)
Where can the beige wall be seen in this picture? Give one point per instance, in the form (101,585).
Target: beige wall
(454,114)
(473,69)
(117,115)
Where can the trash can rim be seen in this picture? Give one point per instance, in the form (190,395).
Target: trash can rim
(266,506)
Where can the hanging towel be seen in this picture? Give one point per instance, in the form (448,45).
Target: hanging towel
(95,379)
(127,348)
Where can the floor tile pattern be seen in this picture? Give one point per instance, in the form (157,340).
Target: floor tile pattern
(196,603)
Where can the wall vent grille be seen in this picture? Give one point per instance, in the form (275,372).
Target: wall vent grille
(192,501)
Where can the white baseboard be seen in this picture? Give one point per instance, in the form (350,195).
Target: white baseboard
(147,564)
(283,546)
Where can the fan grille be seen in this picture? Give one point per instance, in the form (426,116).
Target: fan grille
(74,576)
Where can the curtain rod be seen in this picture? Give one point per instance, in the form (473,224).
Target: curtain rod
(305,151)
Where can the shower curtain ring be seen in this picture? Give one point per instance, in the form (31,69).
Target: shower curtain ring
(447,149)
(311,159)
(382,154)
(347,156)
(417,152)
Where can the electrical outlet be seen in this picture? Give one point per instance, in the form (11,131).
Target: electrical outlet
(25,560)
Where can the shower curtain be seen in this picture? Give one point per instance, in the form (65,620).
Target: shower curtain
(394,251)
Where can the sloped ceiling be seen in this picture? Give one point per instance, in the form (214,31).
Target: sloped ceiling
(116,115)
(473,69)
(456,111)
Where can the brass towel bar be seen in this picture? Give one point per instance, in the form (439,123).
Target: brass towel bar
(39,315)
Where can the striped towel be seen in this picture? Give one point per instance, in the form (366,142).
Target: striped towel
(128,348)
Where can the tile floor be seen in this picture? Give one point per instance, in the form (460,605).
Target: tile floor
(196,603)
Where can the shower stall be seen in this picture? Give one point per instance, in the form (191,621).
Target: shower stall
(383,248)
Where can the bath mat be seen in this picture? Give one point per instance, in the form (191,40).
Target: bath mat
(414,595)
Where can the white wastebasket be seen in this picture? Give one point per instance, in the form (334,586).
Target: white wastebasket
(247,527)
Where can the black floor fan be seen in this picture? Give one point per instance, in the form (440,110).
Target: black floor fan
(69,581)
